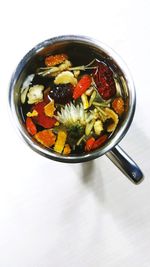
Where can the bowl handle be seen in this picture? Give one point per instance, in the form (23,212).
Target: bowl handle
(119,157)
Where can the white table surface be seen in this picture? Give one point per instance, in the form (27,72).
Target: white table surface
(82,215)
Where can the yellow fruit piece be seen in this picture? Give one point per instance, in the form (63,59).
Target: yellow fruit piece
(49,109)
(98,127)
(76,73)
(34,113)
(67,149)
(46,138)
(111,114)
(60,142)
(65,77)
(57,123)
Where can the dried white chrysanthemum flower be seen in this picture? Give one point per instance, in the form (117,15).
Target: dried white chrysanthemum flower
(71,114)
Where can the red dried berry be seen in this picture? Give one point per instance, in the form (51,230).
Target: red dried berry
(103,77)
(99,142)
(83,84)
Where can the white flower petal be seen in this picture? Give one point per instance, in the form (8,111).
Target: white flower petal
(71,114)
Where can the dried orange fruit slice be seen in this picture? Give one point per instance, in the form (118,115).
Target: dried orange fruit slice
(67,149)
(30,126)
(46,138)
(49,109)
(60,142)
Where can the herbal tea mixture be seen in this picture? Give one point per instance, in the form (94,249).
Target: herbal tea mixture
(71,109)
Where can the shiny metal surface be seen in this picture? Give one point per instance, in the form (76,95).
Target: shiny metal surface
(92,46)
(120,158)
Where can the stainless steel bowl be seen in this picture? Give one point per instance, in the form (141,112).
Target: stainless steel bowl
(85,46)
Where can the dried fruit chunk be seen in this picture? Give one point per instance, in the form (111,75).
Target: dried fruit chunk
(89,144)
(45,121)
(42,119)
(35,94)
(103,77)
(49,109)
(92,144)
(55,60)
(32,114)
(98,127)
(83,84)
(111,114)
(30,126)
(65,77)
(76,73)
(118,105)
(67,149)
(46,138)
(99,142)
(39,107)
(60,142)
